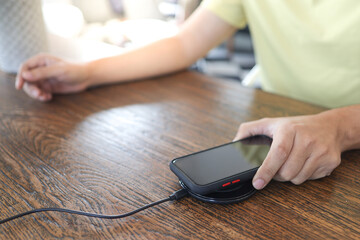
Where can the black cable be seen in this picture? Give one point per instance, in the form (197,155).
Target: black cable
(175,196)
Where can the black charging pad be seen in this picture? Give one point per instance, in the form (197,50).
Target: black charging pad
(234,194)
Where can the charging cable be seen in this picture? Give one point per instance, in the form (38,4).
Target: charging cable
(175,196)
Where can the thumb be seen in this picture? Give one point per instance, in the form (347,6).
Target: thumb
(258,127)
(42,73)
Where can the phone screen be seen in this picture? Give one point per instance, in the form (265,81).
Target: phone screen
(212,165)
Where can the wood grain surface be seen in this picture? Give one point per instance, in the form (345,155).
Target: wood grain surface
(107,150)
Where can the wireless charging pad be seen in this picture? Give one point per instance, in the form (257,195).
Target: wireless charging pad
(234,194)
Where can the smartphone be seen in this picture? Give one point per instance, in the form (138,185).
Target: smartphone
(222,167)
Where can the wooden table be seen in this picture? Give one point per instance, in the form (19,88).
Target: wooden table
(107,150)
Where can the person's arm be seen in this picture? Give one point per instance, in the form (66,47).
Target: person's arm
(200,33)
(304,147)
(43,75)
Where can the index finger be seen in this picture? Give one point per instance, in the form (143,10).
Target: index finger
(279,152)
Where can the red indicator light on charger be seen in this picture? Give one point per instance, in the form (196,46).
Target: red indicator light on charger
(226,184)
(236,181)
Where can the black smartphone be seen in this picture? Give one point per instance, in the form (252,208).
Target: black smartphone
(222,167)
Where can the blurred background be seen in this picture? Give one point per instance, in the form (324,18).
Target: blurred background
(83,30)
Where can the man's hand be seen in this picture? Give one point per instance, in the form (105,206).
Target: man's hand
(303,148)
(43,75)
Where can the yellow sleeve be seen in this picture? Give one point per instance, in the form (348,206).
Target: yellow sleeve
(231,11)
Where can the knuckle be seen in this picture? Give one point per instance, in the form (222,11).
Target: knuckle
(39,73)
(286,174)
(334,162)
(282,151)
(315,161)
(323,150)
(269,172)
(327,158)
(241,126)
(36,73)
(266,119)
(41,55)
(321,172)
(289,126)
(328,173)
(298,181)
(308,141)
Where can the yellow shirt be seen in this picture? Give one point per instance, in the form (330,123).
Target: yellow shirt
(306,49)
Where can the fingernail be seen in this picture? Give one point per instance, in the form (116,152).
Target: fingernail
(35,92)
(27,75)
(258,184)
